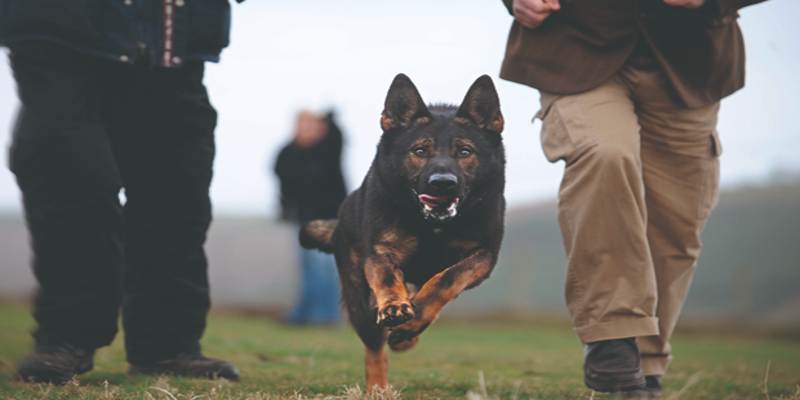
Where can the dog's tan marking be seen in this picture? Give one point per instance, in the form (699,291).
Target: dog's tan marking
(386,283)
(425,142)
(448,284)
(376,366)
(495,125)
(469,165)
(395,244)
(461,142)
(439,290)
(388,122)
(422,121)
(462,121)
(414,163)
(385,278)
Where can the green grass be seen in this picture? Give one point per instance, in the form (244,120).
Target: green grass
(539,360)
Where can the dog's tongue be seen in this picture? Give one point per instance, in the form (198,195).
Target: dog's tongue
(435,201)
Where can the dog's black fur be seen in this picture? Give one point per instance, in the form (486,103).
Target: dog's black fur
(429,213)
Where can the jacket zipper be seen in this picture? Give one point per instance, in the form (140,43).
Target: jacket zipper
(169,12)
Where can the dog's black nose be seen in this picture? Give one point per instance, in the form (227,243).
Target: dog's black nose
(443,181)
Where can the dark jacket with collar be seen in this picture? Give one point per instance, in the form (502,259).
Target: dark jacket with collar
(163,33)
(578,48)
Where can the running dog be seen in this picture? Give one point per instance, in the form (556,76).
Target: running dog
(428,216)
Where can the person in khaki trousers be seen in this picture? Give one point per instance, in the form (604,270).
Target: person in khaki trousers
(630,93)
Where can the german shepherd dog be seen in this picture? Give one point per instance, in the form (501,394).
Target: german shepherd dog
(428,215)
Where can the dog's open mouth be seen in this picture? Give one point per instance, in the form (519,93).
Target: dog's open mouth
(438,207)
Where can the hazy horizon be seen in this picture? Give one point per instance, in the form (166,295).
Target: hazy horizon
(284,57)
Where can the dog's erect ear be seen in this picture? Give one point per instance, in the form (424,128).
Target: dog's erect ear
(404,106)
(481,105)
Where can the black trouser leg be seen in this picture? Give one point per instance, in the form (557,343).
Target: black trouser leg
(64,166)
(162,126)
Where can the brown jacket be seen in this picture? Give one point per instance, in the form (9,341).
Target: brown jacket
(586,42)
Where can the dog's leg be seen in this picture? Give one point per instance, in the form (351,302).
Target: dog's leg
(385,279)
(388,287)
(376,365)
(437,292)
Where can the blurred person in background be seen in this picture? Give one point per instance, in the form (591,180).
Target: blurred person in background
(312,187)
(630,92)
(112,97)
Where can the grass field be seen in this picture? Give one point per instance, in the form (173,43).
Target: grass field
(515,360)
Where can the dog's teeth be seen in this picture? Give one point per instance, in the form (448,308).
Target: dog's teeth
(440,214)
(452,210)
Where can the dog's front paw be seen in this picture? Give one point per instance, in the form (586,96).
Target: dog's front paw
(395,313)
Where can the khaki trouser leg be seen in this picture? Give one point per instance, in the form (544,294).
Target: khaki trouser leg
(680,152)
(611,283)
(641,177)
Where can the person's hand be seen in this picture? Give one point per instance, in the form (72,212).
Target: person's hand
(531,13)
(684,3)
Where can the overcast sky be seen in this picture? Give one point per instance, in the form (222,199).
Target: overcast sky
(287,55)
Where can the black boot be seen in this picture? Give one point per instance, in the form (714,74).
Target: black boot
(612,366)
(56,364)
(191,365)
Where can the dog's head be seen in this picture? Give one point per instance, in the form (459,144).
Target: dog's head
(444,157)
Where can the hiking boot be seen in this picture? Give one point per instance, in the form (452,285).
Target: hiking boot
(612,366)
(56,364)
(190,365)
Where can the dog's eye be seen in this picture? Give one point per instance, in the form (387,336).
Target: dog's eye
(420,152)
(465,152)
